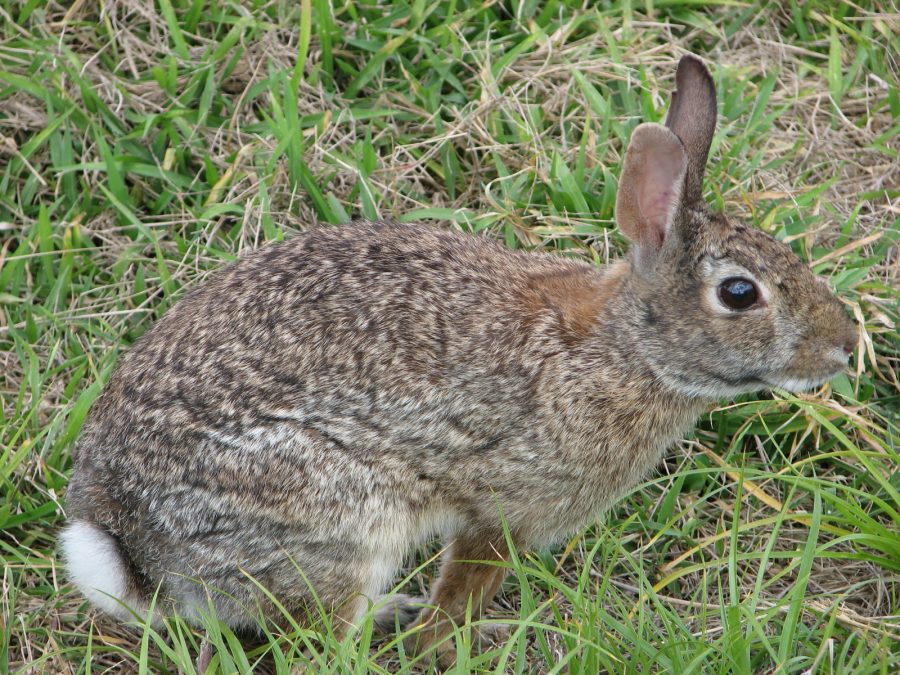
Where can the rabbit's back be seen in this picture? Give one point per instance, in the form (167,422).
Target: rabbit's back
(375,326)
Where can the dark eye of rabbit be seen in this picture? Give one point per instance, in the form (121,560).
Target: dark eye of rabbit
(737,293)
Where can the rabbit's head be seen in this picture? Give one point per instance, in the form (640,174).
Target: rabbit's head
(717,308)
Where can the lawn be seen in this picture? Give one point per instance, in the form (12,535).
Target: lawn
(144,145)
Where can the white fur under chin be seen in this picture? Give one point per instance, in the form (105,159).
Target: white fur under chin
(711,392)
(797,385)
(96,567)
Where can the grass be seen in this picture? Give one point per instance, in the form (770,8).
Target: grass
(146,144)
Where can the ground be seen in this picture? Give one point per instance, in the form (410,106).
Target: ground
(146,144)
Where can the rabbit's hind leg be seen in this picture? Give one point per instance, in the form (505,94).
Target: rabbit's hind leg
(356,578)
(397,612)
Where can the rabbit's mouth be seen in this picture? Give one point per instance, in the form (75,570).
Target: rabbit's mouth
(810,374)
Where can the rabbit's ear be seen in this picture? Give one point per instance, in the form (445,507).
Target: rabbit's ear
(650,186)
(692,117)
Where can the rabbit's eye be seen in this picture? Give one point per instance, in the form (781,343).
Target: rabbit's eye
(738,293)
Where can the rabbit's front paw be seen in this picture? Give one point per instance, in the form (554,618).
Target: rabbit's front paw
(437,643)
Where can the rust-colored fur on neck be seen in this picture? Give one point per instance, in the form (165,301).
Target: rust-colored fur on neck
(575,296)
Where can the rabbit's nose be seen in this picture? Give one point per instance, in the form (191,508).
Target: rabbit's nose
(848,337)
(850,341)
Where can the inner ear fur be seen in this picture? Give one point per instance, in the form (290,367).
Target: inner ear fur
(650,187)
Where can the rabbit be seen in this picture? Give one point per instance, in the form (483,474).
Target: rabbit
(309,415)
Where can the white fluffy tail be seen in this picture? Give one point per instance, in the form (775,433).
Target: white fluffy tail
(97,568)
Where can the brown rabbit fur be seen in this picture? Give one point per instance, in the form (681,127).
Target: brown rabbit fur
(326,404)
